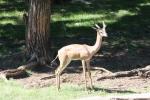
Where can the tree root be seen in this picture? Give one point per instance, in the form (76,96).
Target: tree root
(103,70)
(48,77)
(141,72)
(12,73)
(28,66)
(17,73)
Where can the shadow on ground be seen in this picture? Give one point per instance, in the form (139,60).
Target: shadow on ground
(113,90)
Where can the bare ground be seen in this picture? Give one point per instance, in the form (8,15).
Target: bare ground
(119,84)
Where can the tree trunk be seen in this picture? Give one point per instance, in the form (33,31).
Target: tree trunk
(38,28)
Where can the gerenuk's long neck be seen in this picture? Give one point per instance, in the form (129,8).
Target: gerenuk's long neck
(97,44)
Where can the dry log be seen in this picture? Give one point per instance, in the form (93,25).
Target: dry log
(28,66)
(48,77)
(17,73)
(12,73)
(142,72)
(103,70)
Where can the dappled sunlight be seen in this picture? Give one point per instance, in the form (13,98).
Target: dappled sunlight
(76,17)
(11,24)
(71,17)
(121,17)
(145,4)
(11,17)
(122,13)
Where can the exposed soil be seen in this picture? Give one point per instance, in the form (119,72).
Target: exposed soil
(124,84)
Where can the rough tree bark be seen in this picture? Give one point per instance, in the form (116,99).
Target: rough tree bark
(37,38)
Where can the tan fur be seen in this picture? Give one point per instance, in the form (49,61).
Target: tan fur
(75,52)
(79,52)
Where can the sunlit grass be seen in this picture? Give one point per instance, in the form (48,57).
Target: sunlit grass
(10,13)
(13,91)
(12,17)
(8,22)
(122,13)
(76,17)
(144,4)
(87,19)
(2,1)
(67,19)
(82,19)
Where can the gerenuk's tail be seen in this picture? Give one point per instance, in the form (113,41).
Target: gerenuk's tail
(54,60)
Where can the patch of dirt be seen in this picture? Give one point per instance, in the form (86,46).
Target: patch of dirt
(110,85)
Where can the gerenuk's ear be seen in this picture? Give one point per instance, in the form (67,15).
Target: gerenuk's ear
(97,26)
(94,28)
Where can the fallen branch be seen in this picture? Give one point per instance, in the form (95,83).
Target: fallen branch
(17,73)
(48,77)
(103,70)
(28,66)
(12,73)
(142,72)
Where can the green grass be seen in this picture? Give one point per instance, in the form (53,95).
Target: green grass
(13,91)
(123,18)
(128,19)
(13,17)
